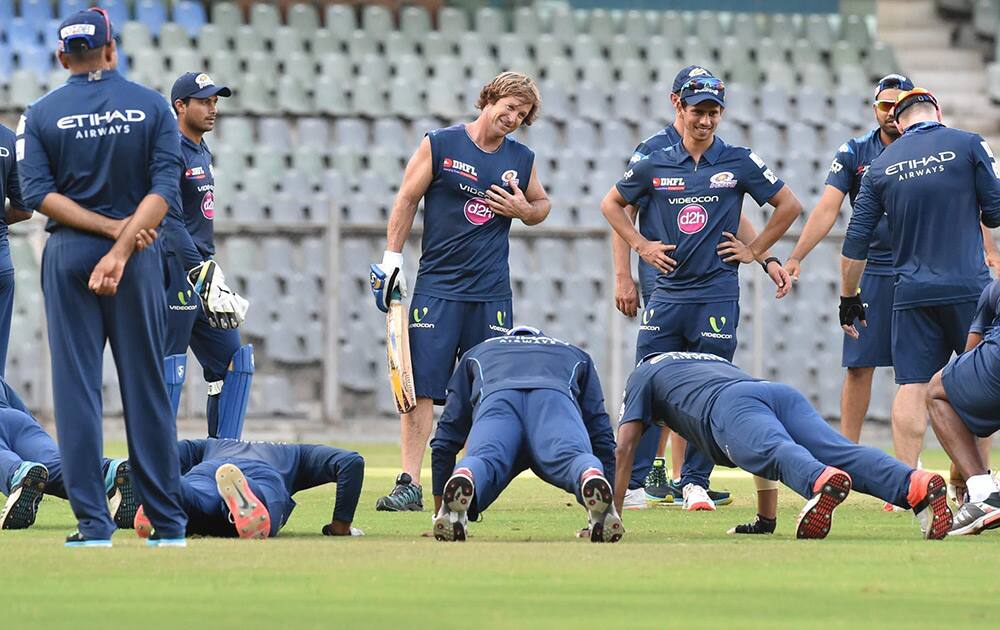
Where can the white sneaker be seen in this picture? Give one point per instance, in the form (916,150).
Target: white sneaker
(635,499)
(696,499)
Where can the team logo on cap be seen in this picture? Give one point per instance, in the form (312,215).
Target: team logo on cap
(698,72)
(692,218)
(477,212)
(203,80)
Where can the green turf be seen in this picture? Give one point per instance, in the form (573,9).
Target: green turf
(521,567)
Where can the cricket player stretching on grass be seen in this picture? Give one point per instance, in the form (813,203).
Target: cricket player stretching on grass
(189,244)
(30,467)
(100,157)
(935,185)
(474,181)
(10,188)
(770,430)
(240,489)
(695,190)
(518,401)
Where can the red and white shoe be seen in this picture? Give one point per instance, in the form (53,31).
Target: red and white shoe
(696,499)
(831,489)
(598,498)
(451,523)
(250,515)
(143,527)
(928,496)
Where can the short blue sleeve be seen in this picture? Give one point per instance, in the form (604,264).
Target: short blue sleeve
(986,309)
(758,180)
(843,168)
(867,213)
(33,166)
(987,181)
(638,403)
(635,183)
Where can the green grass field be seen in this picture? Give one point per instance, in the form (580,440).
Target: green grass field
(520,567)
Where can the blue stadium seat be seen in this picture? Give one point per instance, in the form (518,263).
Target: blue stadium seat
(22,34)
(6,12)
(152,13)
(38,60)
(190,15)
(118,10)
(67,8)
(36,11)
(6,63)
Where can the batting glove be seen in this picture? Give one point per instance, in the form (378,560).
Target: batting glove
(387,280)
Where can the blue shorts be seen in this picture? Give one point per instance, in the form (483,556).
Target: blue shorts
(443,330)
(972,383)
(924,338)
(874,346)
(667,326)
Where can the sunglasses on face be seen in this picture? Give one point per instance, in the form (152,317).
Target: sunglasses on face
(885,105)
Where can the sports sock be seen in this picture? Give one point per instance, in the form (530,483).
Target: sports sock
(980,487)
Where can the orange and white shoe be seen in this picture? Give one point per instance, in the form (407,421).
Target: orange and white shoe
(250,516)
(696,499)
(928,496)
(143,527)
(831,489)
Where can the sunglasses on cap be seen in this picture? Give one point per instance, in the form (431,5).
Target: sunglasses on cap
(704,84)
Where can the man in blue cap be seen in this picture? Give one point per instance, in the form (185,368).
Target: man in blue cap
(693,193)
(100,157)
(935,185)
(189,245)
(10,188)
(874,346)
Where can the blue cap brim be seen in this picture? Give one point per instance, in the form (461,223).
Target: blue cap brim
(212,90)
(694,99)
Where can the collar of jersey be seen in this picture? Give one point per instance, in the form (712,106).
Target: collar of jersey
(920,126)
(84,77)
(712,155)
(190,143)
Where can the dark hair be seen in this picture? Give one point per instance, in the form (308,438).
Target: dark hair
(186,100)
(80,54)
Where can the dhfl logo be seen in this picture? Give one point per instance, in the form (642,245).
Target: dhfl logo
(463,169)
(208,205)
(692,219)
(477,212)
(195,173)
(668,183)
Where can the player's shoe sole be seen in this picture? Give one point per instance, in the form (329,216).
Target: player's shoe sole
(122,500)
(450,525)
(817,516)
(21,508)
(143,527)
(929,497)
(597,493)
(608,529)
(250,516)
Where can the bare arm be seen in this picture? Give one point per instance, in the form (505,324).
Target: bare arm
(628,437)
(990,248)
(626,296)
(65,211)
(787,208)
(531,206)
(655,253)
(735,249)
(16,215)
(818,225)
(416,180)
(973,340)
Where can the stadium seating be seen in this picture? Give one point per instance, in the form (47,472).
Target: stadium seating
(331,99)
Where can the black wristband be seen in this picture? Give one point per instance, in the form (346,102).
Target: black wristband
(769,260)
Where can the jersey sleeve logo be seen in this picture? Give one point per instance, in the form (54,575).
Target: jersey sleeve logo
(836,166)
(993,160)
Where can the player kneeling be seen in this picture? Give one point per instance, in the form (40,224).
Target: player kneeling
(518,401)
(231,488)
(770,430)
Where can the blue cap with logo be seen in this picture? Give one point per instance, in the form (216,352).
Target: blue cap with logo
(893,82)
(92,28)
(687,74)
(196,85)
(701,89)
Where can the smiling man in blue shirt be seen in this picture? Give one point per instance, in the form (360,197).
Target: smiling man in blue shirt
(695,195)
(935,185)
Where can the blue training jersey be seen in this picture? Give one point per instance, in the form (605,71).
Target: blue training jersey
(848,167)
(987,310)
(692,205)
(664,139)
(189,230)
(465,247)
(678,390)
(10,188)
(932,183)
(518,362)
(101,140)
(284,458)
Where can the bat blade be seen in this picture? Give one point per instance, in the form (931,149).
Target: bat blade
(397,347)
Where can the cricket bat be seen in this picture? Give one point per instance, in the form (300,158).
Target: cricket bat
(397,348)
